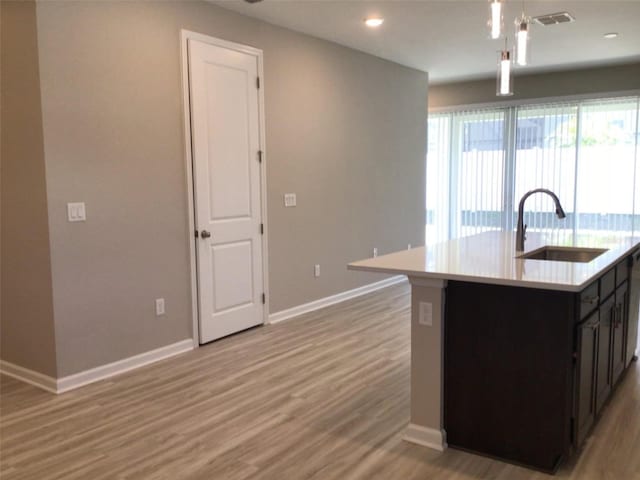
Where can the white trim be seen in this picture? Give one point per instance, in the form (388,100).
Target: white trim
(425,436)
(185,35)
(333,299)
(523,102)
(184,58)
(76,380)
(263,188)
(28,376)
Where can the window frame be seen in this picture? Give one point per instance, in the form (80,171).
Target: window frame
(510,110)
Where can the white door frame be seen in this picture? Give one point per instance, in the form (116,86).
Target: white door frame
(185,35)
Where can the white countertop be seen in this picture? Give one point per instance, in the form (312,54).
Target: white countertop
(490,257)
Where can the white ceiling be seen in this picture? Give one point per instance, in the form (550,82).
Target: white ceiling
(449,38)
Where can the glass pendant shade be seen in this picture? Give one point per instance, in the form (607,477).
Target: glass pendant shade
(495,22)
(523,37)
(504,84)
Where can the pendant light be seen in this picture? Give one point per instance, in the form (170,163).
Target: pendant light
(504,84)
(495,22)
(523,36)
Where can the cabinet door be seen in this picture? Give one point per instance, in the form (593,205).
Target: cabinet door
(603,373)
(587,344)
(618,331)
(633,313)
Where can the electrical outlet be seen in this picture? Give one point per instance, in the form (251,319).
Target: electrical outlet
(159,306)
(316,271)
(375,252)
(425,315)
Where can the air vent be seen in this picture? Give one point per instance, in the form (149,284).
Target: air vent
(252,1)
(554,19)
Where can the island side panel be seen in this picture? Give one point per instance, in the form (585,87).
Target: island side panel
(509,372)
(426,426)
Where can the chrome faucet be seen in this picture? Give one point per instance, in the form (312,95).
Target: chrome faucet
(521,233)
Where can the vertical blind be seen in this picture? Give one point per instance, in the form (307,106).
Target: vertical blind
(481,162)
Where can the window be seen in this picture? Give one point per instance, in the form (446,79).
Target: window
(481,162)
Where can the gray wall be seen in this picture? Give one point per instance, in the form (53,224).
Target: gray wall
(344,130)
(604,80)
(26,318)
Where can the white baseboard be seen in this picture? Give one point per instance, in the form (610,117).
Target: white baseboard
(333,299)
(425,436)
(76,380)
(110,369)
(28,376)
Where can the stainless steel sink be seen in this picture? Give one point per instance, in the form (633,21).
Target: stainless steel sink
(564,254)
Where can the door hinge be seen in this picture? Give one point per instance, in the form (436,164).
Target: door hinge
(260,156)
(196,232)
(262,229)
(258,82)
(264,299)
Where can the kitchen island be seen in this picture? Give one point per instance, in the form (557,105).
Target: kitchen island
(511,357)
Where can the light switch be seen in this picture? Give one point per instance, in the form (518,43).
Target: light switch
(290,200)
(76,212)
(160,306)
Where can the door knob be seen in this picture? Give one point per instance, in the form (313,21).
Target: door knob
(204,234)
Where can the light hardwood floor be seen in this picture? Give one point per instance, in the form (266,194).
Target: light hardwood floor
(325,396)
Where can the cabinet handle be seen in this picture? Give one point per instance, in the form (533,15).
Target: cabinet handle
(592,300)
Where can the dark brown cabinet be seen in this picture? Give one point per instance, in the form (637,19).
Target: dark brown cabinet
(600,346)
(600,352)
(603,361)
(528,371)
(587,342)
(621,319)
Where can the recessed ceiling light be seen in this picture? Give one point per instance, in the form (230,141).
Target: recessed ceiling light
(374,22)
(611,35)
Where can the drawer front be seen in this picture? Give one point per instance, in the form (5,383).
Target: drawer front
(622,271)
(607,284)
(589,300)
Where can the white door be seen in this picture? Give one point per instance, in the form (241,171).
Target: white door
(225,129)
